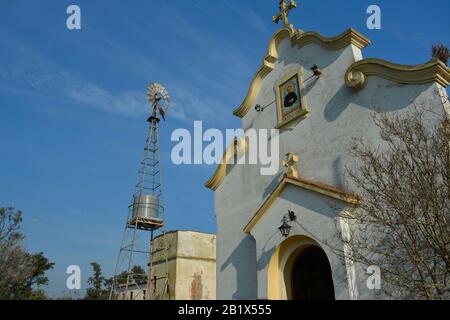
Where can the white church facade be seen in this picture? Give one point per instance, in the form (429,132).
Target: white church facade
(320,93)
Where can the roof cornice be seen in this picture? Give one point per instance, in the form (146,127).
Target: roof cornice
(298,39)
(432,71)
(310,185)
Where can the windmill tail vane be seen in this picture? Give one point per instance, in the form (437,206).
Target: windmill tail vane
(162,113)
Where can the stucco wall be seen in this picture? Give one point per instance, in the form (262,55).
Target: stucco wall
(337,114)
(316,215)
(191,265)
(196,266)
(161,267)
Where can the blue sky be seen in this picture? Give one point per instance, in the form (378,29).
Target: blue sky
(73,105)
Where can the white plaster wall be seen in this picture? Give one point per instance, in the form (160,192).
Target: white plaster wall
(337,114)
(315,219)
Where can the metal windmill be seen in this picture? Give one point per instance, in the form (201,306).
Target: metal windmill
(146,215)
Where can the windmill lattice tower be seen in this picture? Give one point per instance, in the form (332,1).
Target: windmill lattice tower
(146,218)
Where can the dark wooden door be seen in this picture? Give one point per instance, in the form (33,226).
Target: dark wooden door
(311,276)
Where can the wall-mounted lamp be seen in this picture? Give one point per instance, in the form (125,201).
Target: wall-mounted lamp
(316,70)
(292,216)
(285,228)
(259,108)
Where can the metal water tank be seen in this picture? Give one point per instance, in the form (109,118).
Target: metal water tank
(146,206)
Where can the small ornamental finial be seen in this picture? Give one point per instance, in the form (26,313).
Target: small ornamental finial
(284,11)
(289,164)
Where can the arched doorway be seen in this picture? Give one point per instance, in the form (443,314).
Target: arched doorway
(299,269)
(311,277)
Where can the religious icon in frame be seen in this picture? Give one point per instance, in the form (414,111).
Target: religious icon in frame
(291,104)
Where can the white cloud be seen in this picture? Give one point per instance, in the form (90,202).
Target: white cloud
(197,98)
(250,16)
(130,103)
(188,106)
(50,80)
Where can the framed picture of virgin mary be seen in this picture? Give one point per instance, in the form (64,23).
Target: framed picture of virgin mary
(289,100)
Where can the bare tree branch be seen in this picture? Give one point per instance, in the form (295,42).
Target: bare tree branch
(402,224)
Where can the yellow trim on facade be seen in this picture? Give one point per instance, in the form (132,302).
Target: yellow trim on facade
(301,115)
(239,147)
(432,71)
(304,108)
(281,264)
(304,184)
(348,37)
(214,182)
(299,39)
(265,69)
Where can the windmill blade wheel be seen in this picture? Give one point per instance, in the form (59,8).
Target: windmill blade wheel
(159,98)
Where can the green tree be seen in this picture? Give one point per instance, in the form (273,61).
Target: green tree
(137,274)
(21,273)
(98,283)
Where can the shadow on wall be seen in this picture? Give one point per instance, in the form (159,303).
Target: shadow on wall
(309,85)
(272,185)
(313,54)
(243,259)
(308,60)
(312,202)
(385,96)
(267,254)
(338,173)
